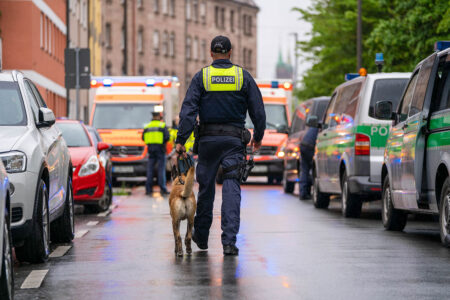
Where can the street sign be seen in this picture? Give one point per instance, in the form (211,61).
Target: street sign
(80,57)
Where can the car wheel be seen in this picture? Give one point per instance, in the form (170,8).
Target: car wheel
(393,219)
(7,274)
(63,229)
(444,213)
(320,199)
(351,205)
(104,203)
(288,186)
(36,247)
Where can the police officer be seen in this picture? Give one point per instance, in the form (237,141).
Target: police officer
(221,94)
(307,146)
(156,135)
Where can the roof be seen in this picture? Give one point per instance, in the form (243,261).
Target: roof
(247,2)
(6,76)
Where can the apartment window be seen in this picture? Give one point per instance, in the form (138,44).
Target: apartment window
(124,70)
(108,41)
(140,40)
(244,56)
(139,4)
(195,9)
(188,9)
(156,72)
(172,45)
(203,11)
(156,41)
(195,49)
(188,48)
(122,40)
(49,37)
(165,7)
(222,18)
(172,8)
(165,43)
(156,6)
(216,16)
(203,51)
(141,70)
(249,58)
(219,15)
(166,73)
(84,13)
(244,22)
(41,31)
(250,24)
(108,69)
(232,21)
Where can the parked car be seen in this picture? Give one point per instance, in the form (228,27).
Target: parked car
(104,155)
(91,187)
(6,262)
(350,145)
(37,161)
(311,107)
(416,164)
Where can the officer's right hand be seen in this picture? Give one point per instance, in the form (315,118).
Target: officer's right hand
(255,146)
(181,150)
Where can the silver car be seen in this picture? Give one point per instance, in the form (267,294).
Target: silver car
(6,262)
(37,161)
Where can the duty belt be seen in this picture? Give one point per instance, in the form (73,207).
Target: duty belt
(220,130)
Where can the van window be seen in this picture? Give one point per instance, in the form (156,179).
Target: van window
(407,98)
(276,117)
(347,102)
(329,116)
(320,107)
(421,86)
(441,90)
(300,116)
(387,90)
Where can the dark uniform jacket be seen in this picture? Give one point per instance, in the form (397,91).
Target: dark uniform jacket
(310,137)
(222,107)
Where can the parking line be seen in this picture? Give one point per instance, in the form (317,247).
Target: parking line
(92,223)
(34,279)
(105,213)
(60,251)
(80,233)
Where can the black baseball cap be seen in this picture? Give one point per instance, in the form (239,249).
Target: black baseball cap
(221,44)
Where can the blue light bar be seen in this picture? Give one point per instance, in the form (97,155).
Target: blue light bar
(350,76)
(441,45)
(107,82)
(274,84)
(150,82)
(379,57)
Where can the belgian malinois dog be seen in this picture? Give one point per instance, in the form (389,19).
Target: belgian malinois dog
(182,206)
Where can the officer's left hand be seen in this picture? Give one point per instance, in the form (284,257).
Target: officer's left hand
(181,150)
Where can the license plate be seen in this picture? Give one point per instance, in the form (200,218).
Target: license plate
(259,169)
(128,169)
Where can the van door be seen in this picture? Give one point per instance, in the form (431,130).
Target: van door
(324,146)
(413,150)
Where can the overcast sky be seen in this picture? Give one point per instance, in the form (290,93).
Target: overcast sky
(275,23)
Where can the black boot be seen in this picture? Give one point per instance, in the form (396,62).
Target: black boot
(201,245)
(230,250)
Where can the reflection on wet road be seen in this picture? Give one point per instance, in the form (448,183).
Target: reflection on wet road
(288,250)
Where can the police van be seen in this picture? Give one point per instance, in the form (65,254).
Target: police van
(350,145)
(416,164)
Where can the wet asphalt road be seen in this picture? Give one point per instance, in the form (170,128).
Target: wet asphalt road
(288,250)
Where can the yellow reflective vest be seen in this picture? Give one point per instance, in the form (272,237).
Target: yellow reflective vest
(154,132)
(223,80)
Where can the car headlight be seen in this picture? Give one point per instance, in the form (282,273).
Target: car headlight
(15,161)
(90,167)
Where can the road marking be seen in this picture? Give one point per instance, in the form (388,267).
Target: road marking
(34,279)
(92,223)
(105,213)
(60,251)
(80,233)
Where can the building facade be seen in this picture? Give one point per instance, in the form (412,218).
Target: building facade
(34,39)
(172,37)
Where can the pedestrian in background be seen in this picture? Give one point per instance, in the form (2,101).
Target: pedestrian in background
(220,95)
(155,136)
(307,147)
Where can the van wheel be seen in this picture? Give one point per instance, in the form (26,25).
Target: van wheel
(351,205)
(320,199)
(288,186)
(7,274)
(63,229)
(36,247)
(393,219)
(444,213)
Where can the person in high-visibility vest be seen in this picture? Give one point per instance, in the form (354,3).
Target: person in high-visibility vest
(220,95)
(155,136)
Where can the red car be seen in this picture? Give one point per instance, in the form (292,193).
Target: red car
(91,187)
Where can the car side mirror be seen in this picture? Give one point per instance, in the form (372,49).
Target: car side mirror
(383,110)
(102,146)
(46,117)
(312,121)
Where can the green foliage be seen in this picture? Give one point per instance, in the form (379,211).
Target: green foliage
(404,30)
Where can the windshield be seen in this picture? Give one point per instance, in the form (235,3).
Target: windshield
(74,134)
(387,90)
(276,117)
(12,112)
(122,116)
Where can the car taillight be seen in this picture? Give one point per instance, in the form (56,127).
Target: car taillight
(362,144)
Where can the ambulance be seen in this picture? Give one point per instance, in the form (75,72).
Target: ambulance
(121,107)
(277,97)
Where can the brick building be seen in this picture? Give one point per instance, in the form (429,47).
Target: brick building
(172,37)
(34,38)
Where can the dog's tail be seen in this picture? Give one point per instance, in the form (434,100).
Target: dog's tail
(188,183)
